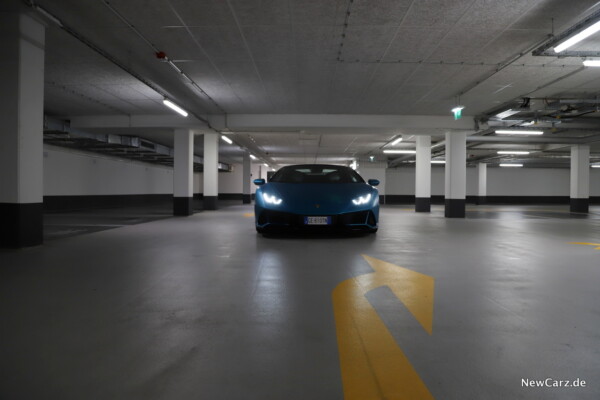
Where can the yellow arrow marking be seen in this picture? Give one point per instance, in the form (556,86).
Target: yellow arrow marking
(372,364)
(248,215)
(587,244)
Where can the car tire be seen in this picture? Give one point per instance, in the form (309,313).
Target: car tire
(260,230)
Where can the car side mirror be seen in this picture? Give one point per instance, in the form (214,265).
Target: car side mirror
(373,182)
(259,182)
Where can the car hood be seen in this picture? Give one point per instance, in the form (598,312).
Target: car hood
(320,198)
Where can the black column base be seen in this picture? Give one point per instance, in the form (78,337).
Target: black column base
(422,204)
(455,208)
(183,206)
(210,202)
(22,224)
(246,199)
(580,205)
(480,200)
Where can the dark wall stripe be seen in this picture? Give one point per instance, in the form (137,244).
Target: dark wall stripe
(21,225)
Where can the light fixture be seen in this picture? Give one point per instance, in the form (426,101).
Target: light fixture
(520,132)
(226,139)
(507,113)
(589,31)
(396,141)
(175,107)
(511,165)
(591,63)
(595,165)
(266,165)
(252,156)
(400,151)
(371,158)
(438,161)
(513,152)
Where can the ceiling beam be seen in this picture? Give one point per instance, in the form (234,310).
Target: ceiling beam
(296,122)
(138,121)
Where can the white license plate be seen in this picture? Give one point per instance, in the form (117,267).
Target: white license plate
(317,220)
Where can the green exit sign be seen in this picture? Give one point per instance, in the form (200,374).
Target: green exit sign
(457,112)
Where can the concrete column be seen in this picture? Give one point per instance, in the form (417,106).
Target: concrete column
(482,183)
(183,179)
(21,130)
(456,174)
(211,170)
(580,178)
(246,178)
(423,175)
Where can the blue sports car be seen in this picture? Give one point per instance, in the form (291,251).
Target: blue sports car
(306,196)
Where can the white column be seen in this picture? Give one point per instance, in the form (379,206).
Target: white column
(21,130)
(183,179)
(580,178)
(211,170)
(246,178)
(481,183)
(456,174)
(423,175)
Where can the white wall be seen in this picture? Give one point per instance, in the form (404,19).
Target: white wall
(372,171)
(501,181)
(70,173)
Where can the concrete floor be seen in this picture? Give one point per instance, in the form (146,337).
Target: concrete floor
(202,307)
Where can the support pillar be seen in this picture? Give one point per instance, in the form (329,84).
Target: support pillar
(21,130)
(423,175)
(211,170)
(481,183)
(246,177)
(456,174)
(183,179)
(580,178)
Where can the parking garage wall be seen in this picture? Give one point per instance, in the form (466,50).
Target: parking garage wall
(504,185)
(80,180)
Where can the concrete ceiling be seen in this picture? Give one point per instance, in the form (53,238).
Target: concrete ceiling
(360,57)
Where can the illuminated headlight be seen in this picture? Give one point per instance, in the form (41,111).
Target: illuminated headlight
(269,199)
(362,200)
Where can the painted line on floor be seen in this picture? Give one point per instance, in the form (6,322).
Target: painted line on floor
(248,215)
(587,244)
(372,364)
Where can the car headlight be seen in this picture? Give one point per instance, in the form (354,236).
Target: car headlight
(271,199)
(362,200)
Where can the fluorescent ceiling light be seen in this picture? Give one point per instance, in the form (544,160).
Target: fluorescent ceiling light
(252,156)
(457,109)
(591,63)
(511,165)
(595,165)
(507,113)
(512,152)
(400,151)
(226,139)
(398,140)
(266,165)
(513,132)
(589,31)
(175,107)
(438,161)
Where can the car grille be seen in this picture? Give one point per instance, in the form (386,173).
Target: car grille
(296,220)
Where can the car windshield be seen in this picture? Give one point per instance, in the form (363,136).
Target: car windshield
(316,174)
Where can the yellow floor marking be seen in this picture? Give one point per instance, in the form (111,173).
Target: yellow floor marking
(372,364)
(248,215)
(587,244)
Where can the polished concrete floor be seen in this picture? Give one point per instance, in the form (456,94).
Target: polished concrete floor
(202,307)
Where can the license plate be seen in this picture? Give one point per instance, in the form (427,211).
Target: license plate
(317,220)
